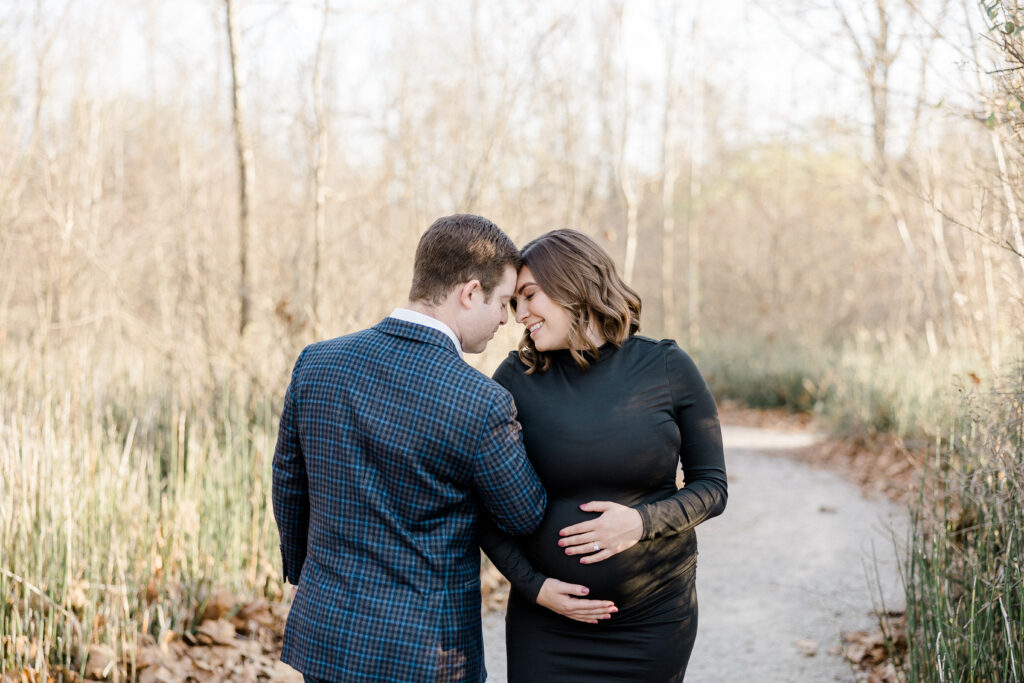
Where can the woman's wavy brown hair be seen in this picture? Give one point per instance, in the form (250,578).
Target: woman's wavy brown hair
(578,275)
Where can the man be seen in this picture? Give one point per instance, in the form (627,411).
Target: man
(390,446)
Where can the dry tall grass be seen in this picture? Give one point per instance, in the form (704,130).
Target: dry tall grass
(119,520)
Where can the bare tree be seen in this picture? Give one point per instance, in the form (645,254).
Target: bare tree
(624,172)
(697,124)
(876,52)
(320,171)
(246,163)
(669,174)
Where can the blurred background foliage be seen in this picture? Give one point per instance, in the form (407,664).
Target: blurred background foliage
(821,201)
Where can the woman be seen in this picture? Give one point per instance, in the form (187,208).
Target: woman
(607,417)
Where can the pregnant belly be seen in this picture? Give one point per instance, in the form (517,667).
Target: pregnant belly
(623,577)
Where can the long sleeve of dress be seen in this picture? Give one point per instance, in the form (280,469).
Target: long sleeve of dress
(508,557)
(701,454)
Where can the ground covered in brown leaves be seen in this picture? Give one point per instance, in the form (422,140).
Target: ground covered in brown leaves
(237,640)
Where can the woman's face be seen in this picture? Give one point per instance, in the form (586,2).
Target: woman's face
(547,322)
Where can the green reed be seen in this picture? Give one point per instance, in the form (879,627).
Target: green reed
(964,561)
(119,517)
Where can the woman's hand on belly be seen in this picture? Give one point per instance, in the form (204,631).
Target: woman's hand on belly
(617,528)
(566,599)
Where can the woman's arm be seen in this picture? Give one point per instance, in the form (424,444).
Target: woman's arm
(510,560)
(701,454)
(558,596)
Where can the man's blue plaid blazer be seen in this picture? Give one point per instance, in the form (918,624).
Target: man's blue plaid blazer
(390,446)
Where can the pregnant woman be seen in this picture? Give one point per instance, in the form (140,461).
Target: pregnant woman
(608,416)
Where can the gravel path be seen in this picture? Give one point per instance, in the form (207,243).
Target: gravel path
(788,562)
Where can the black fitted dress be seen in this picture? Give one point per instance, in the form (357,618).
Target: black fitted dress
(616,431)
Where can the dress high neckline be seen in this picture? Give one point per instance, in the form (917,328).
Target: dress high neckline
(564,356)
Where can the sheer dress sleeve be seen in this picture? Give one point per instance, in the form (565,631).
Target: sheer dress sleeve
(700,454)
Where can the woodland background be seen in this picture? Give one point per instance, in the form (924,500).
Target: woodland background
(821,201)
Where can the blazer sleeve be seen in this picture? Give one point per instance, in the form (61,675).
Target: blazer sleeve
(701,454)
(502,475)
(291,486)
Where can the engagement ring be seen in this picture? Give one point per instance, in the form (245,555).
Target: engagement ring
(597,547)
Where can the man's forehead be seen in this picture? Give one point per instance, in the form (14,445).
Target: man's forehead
(506,286)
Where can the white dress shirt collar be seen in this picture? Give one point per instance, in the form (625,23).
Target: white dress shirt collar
(418,318)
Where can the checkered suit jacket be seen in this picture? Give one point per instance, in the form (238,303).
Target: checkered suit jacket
(390,446)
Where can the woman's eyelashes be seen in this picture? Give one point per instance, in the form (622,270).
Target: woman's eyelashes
(514,302)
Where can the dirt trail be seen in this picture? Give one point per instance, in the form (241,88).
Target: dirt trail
(787,563)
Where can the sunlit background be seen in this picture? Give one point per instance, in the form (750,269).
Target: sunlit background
(821,201)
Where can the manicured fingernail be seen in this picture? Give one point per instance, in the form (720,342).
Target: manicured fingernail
(614,610)
(585,591)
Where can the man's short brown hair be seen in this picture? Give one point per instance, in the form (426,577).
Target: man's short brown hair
(457,249)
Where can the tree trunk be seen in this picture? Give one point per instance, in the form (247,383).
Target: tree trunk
(1016,235)
(246,168)
(626,184)
(669,175)
(320,189)
(693,292)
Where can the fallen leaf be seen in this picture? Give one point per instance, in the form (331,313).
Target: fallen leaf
(855,652)
(101,662)
(147,656)
(220,604)
(254,614)
(155,674)
(807,647)
(218,631)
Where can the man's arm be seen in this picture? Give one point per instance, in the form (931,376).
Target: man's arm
(503,476)
(291,486)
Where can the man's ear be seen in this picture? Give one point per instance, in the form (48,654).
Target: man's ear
(468,290)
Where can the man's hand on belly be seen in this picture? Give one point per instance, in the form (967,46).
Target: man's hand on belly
(617,528)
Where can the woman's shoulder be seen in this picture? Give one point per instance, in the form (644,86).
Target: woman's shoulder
(641,344)
(509,369)
(647,350)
